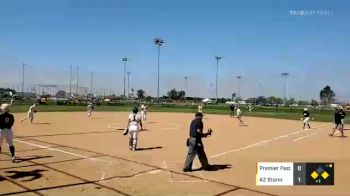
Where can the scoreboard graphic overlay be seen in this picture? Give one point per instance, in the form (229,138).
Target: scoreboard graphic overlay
(293,174)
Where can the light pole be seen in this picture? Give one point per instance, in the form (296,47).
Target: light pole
(186,78)
(239,87)
(128,83)
(125,60)
(159,42)
(23,78)
(217,75)
(284,76)
(91,81)
(70,81)
(77,81)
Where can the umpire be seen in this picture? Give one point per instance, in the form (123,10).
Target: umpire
(195,144)
(6,122)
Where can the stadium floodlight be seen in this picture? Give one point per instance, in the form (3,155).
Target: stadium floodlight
(217,75)
(128,83)
(186,78)
(159,42)
(23,65)
(284,76)
(239,86)
(77,81)
(125,60)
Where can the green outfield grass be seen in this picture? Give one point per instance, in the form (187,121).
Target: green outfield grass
(266,112)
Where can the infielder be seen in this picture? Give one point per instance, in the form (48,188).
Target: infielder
(144,113)
(239,117)
(306,120)
(6,123)
(200,108)
(133,127)
(338,122)
(30,114)
(89,108)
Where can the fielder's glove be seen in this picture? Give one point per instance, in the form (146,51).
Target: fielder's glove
(126,131)
(210,131)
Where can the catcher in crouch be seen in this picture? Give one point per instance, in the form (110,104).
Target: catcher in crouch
(30,114)
(133,127)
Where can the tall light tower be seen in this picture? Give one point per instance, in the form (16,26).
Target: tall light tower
(70,81)
(284,76)
(128,83)
(23,78)
(186,78)
(239,87)
(217,75)
(77,81)
(125,60)
(91,81)
(159,42)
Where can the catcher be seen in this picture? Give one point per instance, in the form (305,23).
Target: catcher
(30,114)
(195,144)
(133,127)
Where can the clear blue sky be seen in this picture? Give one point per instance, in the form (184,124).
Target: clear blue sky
(257,39)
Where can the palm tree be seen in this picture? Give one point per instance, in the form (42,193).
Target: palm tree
(327,95)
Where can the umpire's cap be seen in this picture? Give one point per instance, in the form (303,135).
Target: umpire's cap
(199,114)
(135,110)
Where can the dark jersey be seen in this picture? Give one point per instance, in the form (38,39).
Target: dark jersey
(6,120)
(337,117)
(196,124)
(342,114)
(232,108)
(306,114)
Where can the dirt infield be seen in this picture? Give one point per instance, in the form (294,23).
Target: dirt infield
(70,154)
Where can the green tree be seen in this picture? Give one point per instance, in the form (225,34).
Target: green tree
(181,94)
(140,94)
(327,95)
(173,94)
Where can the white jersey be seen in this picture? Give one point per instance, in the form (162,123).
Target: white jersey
(239,112)
(134,119)
(31,108)
(143,108)
(200,108)
(89,107)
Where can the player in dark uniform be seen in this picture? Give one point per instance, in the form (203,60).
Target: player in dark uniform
(232,109)
(195,144)
(6,122)
(306,115)
(342,117)
(337,121)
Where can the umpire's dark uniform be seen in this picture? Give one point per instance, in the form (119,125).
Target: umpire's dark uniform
(195,144)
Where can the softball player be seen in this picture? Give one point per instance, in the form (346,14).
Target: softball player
(134,126)
(30,114)
(89,108)
(306,115)
(6,122)
(337,121)
(239,116)
(200,108)
(342,117)
(144,113)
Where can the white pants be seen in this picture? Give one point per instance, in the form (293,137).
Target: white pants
(8,134)
(306,120)
(30,115)
(133,139)
(144,116)
(89,112)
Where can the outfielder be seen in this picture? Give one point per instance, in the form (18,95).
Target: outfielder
(30,114)
(306,115)
(133,127)
(6,122)
(200,108)
(89,108)
(239,117)
(144,113)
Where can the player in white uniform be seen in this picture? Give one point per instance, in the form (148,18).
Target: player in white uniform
(144,113)
(239,117)
(134,126)
(200,108)
(30,114)
(89,108)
